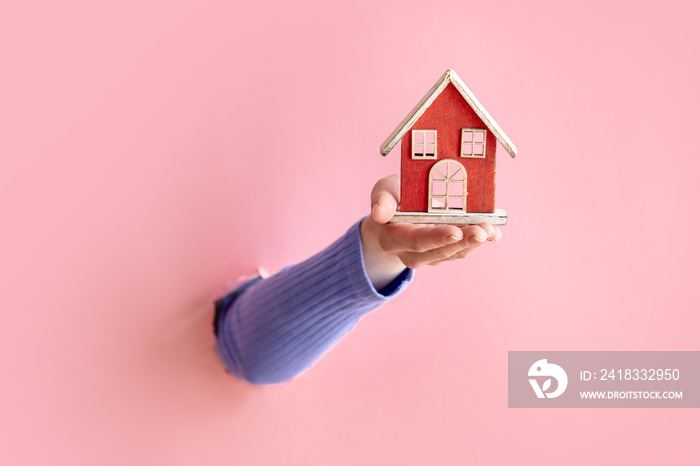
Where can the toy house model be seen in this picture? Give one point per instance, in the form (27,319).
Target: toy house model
(448,158)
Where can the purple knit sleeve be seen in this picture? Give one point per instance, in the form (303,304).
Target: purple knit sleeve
(280,326)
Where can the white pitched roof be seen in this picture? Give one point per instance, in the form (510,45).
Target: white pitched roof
(447,78)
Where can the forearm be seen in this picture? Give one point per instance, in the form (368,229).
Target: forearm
(281,325)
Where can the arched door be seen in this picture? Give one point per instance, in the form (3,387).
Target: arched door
(447,187)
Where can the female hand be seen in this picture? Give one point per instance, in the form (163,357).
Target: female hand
(390,247)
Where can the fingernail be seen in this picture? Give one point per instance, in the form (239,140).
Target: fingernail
(374,207)
(452,239)
(479,238)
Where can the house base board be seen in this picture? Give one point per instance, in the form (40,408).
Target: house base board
(499,217)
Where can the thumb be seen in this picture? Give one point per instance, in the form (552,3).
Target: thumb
(385,199)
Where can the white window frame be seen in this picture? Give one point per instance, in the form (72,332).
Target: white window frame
(472,144)
(419,150)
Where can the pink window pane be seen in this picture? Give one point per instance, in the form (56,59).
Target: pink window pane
(452,169)
(479,136)
(455,203)
(438,203)
(468,136)
(478,150)
(439,188)
(429,149)
(430,138)
(467,149)
(459,176)
(417,138)
(455,189)
(439,172)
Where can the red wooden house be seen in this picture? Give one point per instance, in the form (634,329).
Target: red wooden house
(448,157)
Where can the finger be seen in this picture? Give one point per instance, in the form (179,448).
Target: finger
(439,255)
(454,251)
(385,198)
(478,233)
(497,236)
(494,233)
(488,229)
(457,256)
(406,237)
(460,255)
(384,208)
(473,239)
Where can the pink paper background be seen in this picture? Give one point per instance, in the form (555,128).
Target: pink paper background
(153,150)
